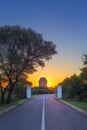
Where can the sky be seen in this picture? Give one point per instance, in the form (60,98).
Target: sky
(62,21)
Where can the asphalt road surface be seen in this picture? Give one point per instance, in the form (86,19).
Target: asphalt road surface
(43,113)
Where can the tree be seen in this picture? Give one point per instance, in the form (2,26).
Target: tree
(76,85)
(22,51)
(66,87)
(3,88)
(83,75)
(84,69)
(20,90)
(72,86)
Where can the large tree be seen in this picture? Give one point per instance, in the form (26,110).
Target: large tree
(84,69)
(21,51)
(83,75)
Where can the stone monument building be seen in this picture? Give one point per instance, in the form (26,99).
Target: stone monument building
(43,82)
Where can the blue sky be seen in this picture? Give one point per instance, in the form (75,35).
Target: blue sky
(62,21)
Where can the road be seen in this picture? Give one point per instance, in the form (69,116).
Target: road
(43,113)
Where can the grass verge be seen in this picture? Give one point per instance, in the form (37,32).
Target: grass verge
(82,105)
(19,101)
(5,106)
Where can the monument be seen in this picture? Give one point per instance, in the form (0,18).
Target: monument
(59,92)
(43,82)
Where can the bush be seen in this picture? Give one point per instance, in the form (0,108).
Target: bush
(41,90)
(20,90)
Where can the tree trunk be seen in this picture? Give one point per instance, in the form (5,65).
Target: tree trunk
(2,98)
(3,91)
(10,94)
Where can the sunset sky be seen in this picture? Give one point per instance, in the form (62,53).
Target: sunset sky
(62,21)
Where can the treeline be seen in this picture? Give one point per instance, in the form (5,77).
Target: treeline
(42,90)
(76,86)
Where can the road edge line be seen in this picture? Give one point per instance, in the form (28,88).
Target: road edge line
(76,108)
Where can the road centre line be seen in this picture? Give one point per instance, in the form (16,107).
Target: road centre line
(43,116)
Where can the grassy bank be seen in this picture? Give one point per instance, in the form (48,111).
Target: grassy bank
(82,105)
(2,107)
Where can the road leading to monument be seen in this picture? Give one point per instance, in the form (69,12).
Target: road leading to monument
(43,113)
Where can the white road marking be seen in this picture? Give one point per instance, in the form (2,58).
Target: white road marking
(43,116)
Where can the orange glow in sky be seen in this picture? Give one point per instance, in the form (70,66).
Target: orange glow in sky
(54,71)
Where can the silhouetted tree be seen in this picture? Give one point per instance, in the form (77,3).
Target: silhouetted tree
(22,51)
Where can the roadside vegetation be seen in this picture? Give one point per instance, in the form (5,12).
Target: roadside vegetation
(5,106)
(82,105)
(18,96)
(75,87)
(41,90)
